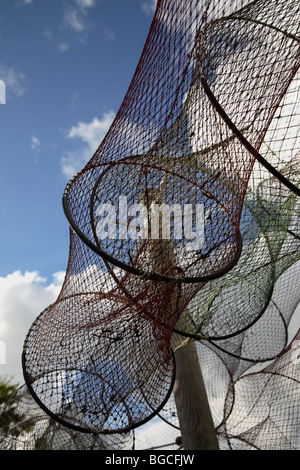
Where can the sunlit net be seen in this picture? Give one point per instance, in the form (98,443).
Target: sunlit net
(172,141)
(269,225)
(262,409)
(186,220)
(255,410)
(94,357)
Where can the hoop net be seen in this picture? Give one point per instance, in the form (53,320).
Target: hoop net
(210,123)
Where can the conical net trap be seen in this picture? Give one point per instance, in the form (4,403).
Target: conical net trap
(183,220)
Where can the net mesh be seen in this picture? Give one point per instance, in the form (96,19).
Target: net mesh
(204,86)
(270,230)
(185,220)
(257,410)
(265,403)
(93,357)
(33,429)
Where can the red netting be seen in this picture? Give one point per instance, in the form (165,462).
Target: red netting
(186,220)
(95,357)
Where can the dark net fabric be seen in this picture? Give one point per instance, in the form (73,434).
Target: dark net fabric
(170,142)
(257,410)
(95,358)
(185,221)
(24,426)
(262,409)
(226,306)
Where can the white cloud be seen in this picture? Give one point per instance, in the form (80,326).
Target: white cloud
(109,35)
(35,143)
(23,296)
(27,2)
(14,81)
(149,7)
(74,20)
(74,16)
(63,47)
(156,434)
(93,131)
(85,3)
(91,134)
(47,34)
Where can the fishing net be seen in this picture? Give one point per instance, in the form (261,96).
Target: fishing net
(258,410)
(262,409)
(24,426)
(186,137)
(184,225)
(92,358)
(226,306)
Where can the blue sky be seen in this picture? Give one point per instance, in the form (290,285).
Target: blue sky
(67,65)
